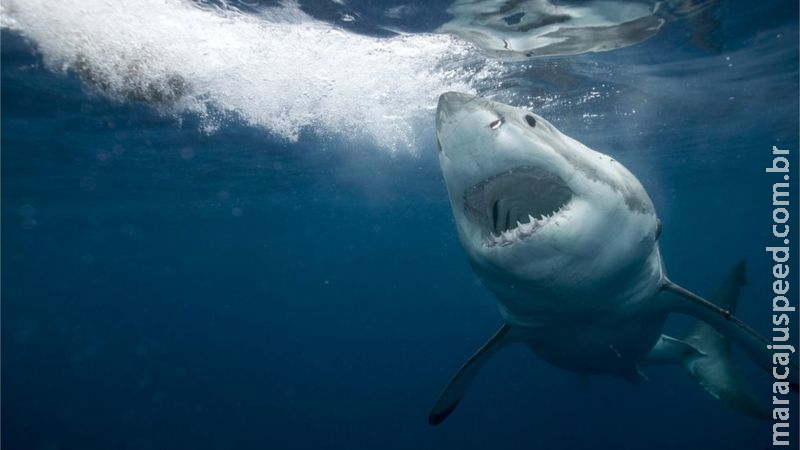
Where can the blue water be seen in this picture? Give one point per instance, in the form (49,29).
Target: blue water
(168,286)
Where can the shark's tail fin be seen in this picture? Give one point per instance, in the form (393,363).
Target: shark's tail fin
(706,354)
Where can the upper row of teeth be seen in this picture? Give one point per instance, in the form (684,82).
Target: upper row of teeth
(522,230)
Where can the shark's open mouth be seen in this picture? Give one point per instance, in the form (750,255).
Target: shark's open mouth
(512,205)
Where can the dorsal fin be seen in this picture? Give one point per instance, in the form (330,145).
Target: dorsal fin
(717,372)
(702,335)
(726,326)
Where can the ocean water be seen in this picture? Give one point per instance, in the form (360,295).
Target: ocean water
(224,225)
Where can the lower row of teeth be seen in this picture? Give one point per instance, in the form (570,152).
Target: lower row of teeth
(522,230)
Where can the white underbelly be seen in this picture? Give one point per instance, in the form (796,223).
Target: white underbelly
(599,328)
(608,344)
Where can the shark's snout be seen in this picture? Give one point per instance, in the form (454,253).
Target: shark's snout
(449,103)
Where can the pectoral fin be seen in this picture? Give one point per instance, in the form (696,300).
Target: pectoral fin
(669,350)
(458,385)
(713,369)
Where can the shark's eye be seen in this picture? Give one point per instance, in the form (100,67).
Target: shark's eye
(531,121)
(496,124)
(658,228)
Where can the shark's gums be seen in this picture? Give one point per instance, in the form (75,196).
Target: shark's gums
(567,240)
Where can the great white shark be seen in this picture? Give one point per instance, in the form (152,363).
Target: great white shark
(567,240)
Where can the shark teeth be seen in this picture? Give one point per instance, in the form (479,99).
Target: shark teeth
(522,230)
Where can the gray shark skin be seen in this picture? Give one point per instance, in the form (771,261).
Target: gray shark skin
(566,238)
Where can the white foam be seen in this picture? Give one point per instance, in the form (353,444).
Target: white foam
(281,70)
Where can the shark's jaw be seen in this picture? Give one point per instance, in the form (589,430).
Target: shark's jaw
(511,206)
(536,208)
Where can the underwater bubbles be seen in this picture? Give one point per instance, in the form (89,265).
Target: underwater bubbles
(277,68)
